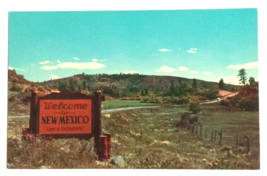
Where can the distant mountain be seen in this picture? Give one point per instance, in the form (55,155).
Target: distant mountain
(133,82)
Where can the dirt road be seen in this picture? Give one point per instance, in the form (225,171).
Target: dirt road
(121,109)
(103,111)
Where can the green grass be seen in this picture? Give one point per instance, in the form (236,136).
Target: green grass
(245,123)
(147,139)
(110,104)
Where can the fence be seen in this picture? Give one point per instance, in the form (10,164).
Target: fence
(239,140)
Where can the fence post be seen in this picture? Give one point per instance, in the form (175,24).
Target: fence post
(247,143)
(236,139)
(215,133)
(221,137)
(200,130)
(211,139)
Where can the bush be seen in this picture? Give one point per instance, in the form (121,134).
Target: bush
(194,108)
(250,105)
(15,88)
(212,95)
(225,103)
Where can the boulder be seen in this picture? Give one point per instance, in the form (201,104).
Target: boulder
(119,161)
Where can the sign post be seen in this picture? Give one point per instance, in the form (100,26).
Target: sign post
(67,115)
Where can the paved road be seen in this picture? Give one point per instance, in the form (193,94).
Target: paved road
(103,111)
(210,102)
(124,109)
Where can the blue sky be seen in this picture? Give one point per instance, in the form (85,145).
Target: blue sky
(202,44)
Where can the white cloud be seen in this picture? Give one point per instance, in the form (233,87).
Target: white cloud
(45,62)
(166,69)
(207,73)
(131,72)
(230,79)
(58,61)
(249,65)
(192,50)
(193,72)
(10,68)
(76,58)
(94,60)
(54,77)
(164,49)
(72,65)
(183,68)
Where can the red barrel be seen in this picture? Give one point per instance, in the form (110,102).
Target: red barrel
(103,154)
(109,143)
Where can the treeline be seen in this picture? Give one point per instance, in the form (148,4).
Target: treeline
(136,85)
(122,85)
(181,93)
(247,99)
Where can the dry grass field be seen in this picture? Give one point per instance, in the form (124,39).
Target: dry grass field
(145,139)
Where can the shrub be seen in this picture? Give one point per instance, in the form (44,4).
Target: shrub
(212,94)
(194,108)
(225,103)
(250,105)
(16,87)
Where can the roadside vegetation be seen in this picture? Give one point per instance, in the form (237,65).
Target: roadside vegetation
(110,104)
(145,138)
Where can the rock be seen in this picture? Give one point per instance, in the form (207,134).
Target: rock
(119,161)
(43,167)
(9,165)
(107,115)
(89,147)
(202,149)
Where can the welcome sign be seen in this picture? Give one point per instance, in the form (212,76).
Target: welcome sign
(69,115)
(65,116)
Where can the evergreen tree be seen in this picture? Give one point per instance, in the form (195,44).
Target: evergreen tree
(172,89)
(146,91)
(242,76)
(221,84)
(194,83)
(142,92)
(252,81)
(84,85)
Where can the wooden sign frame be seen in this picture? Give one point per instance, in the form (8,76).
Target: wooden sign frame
(67,95)
(102,146)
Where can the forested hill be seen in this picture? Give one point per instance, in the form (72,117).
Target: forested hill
(119,85)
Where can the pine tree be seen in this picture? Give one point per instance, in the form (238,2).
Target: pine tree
(194,83)
(221,84)
(84,87)
(242,76)
(142,92)
(252,81)
(146,91)
(79,88)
